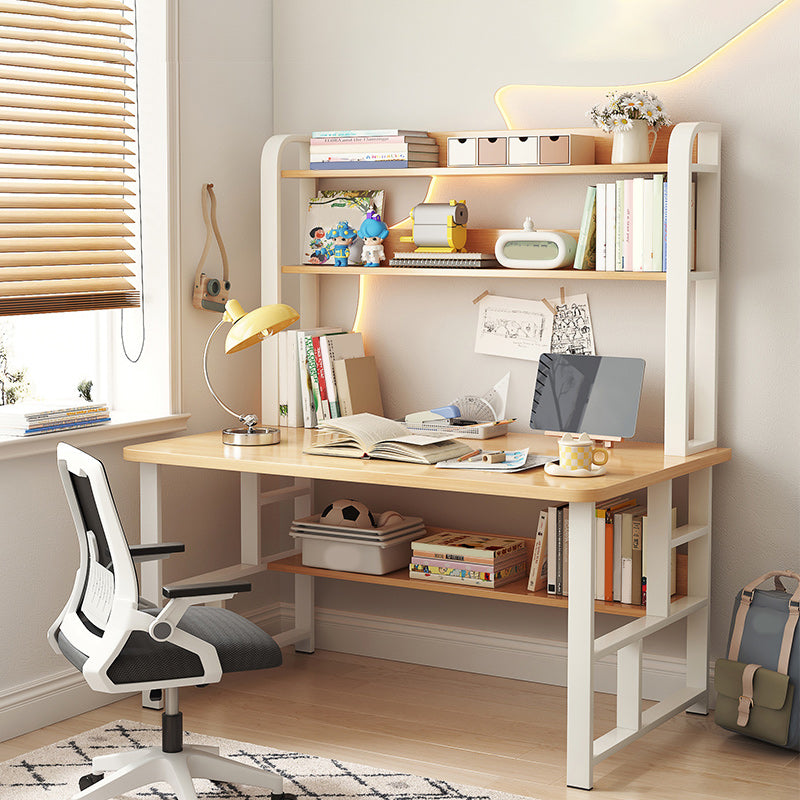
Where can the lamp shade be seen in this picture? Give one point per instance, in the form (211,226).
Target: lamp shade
(256,325)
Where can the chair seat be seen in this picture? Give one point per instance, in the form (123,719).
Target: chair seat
(240,644)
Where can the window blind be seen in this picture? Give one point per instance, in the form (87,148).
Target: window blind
(67,156)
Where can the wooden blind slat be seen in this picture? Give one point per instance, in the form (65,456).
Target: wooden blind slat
(61,146)
(77,174)
(64,131)
(55,259)
(30,18)
(54,104)
(87,301)
(63,160)
(46,90)
(61,201)
(33,38)
(27,60)
(44,49)
(87,120)
(61,216)
(27,187)
(108,5)
(66,286)
(64,79)
(63,244)
(41,229)
(54,273)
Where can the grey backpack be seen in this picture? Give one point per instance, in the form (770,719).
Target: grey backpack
(758,685)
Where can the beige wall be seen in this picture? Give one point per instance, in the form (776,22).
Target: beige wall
(438,68)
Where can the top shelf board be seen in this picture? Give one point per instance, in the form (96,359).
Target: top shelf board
(455,172)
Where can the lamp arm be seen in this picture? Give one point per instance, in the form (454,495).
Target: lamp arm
(250,419)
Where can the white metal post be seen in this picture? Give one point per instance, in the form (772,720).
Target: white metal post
(580,646)
(658,543)
(151,528)
(250,519)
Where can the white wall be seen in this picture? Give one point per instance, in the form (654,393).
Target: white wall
(437,66)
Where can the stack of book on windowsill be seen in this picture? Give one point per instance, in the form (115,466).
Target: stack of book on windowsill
(468,558)
(31,418)
(373,149)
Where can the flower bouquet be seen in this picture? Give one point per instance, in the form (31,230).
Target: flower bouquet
(623,108)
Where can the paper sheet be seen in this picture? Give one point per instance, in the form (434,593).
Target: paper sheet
(508,326)
(572,326)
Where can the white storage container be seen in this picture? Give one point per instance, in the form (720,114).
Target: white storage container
(370,557)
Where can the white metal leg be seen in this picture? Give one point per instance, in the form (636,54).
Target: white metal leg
(250,519)
(151,528)
(580,646)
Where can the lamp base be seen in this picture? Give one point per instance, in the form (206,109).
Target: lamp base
(251,436)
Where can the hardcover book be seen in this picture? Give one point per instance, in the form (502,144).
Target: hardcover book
(468,545)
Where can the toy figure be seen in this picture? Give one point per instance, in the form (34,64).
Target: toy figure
(319,253)
(342,237)
(373,231)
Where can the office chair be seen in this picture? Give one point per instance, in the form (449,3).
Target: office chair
(123,643)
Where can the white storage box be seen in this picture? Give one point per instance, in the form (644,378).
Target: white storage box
(370,557)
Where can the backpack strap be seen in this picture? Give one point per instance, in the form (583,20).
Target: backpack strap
(789,628)
(746,697)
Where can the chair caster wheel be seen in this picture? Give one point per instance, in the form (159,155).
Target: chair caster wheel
(85,781)
(283,796)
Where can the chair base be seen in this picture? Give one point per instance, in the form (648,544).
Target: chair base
(133,769)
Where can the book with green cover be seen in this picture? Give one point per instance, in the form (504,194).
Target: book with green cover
(586,253)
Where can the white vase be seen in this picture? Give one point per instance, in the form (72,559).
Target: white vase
(630,146)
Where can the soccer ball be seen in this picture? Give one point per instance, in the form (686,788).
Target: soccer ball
(348,514)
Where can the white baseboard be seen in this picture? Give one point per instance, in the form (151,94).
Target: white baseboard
(503,655)
(53,698)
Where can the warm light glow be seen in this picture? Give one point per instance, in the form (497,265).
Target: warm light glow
(498,97)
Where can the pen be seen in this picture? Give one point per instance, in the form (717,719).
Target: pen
(505,421)
(469,455)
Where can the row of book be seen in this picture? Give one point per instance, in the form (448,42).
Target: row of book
(32,418)
(372,149)
(469,559)
(324,374)
(620,552)
(623,226)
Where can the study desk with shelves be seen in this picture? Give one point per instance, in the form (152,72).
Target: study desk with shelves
(633,466)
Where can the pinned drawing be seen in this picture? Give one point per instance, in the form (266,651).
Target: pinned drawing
(508,326)
(572,326)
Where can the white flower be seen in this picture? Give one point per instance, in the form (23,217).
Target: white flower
(622,108)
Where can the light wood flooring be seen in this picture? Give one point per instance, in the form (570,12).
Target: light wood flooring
(484,731)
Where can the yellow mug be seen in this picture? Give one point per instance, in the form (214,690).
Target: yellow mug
(579,453)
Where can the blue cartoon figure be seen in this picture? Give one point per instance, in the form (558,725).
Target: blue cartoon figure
(373,231)
(342,237)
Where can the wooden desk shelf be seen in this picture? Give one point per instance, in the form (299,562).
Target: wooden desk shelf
(515,592)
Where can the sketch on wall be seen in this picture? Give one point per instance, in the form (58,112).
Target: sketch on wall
(508,326)
(572,326)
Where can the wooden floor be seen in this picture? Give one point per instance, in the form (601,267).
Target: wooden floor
(490,732)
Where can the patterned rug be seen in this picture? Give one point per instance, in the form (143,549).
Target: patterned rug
(52,772)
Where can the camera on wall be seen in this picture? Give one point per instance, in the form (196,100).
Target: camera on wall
(210,293)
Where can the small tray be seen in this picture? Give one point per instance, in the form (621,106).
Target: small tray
(557,471)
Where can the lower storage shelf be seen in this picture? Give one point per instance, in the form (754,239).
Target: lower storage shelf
(516,592)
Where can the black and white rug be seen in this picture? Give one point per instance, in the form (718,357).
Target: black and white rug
(52,772)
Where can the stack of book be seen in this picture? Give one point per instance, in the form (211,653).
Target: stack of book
(468,558)
(623,227)
(620,551)
(373,149)
(324,374)
(29,419)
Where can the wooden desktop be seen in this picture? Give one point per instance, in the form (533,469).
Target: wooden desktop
(633,466)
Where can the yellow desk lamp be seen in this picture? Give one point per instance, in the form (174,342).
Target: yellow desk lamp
(248,329)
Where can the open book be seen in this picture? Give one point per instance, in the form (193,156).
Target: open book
(371,436)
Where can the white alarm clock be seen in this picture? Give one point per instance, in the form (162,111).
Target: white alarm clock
(532,249)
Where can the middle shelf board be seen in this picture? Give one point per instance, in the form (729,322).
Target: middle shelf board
(516,592)
(495,272)
(455,172)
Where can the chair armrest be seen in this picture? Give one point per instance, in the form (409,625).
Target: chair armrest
(181,597)
(154,552)
(199,589)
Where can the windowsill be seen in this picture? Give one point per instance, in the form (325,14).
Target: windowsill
(123,426)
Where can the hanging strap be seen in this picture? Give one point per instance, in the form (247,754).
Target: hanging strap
(211,226)
(791,622)
(746,697)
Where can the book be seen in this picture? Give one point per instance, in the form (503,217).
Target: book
(600,227)
(636,559)
(611,226)
(619,224)
(490,580)
(565,551)
(627,225)
(33,412)
(537,577)
(357,386)
(604,575)
(343,148)
(333,347)
(366,132)
(447,260)
(318,378)
(626,569)
(585,254)
(637,224)
(371,140)
(54,427)
(467,563)
(647,232)
(371,436)
(323,165)
(552,559)
(298,347)
(469,545)
(324,157)
(658,222)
